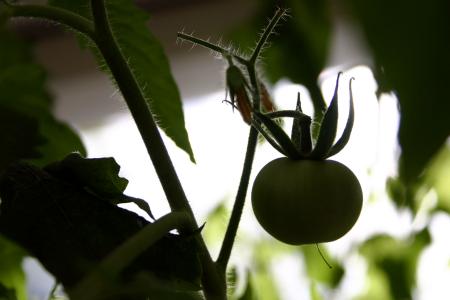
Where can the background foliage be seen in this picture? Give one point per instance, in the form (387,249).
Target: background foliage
(410,46)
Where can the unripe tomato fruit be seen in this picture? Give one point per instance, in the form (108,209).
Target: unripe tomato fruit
(306,201)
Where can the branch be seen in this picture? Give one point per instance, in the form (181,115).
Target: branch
(56,14)
(267,31)
(94,283)
(213,285)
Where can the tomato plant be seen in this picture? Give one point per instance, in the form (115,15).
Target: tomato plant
(61,206)
(306,201)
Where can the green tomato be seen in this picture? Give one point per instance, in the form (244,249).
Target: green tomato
(306,201)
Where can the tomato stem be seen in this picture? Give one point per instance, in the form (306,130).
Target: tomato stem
(214,286)
(56,14)
(91,286)
(236,213)
(233,223)
(267,32)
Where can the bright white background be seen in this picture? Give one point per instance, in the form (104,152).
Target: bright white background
(218,137)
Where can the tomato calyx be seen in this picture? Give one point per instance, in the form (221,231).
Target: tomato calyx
(299,145)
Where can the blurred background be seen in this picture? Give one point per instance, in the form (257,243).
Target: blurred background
(399,149)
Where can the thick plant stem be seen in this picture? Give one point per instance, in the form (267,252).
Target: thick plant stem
(213,284)
(59,15)
(91,286)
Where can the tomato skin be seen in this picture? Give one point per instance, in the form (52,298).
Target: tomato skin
(306,201)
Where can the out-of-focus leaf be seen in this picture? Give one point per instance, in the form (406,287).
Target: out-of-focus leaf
(396,260)
(377,286)
(262,278)
(318,270)
(403,195)
(145,57)
(5,13)
(216,224)
(232,279)
(70,229)
(438,178)
(27,128)
(12,277)
(7,293)
(249,293)
(300,48)
(315,294)
(410,44)
(13,124)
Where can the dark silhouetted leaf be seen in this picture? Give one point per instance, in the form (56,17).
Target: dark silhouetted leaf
(70,229)
(98,175)
(7,293)
(410,45)
(13,125)
(145,57)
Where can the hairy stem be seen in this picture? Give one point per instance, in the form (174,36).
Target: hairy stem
(233,224)
(213,285)
(58,15)
(267,31)
(208,45)
(236,213)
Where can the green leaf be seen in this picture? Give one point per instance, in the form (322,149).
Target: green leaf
(7,293)
(411,45)
(145,57)
(262,279)
(14,124)
(315,294)
(396,260)
(70,229)
(249,293)
(318,270)
(12,277)
(99,175)
(437,177)
(27,128)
